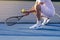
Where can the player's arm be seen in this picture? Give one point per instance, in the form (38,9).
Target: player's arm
(27,12)
(33,9)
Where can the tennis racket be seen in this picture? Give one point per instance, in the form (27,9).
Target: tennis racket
(13,20)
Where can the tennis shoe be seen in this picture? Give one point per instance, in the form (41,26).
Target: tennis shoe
(45,20)
(35,26)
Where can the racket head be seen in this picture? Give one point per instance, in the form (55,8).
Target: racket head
(12,20)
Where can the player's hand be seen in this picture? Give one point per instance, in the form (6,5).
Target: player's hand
(24,12)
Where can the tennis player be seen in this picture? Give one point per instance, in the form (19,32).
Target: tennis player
(43,9)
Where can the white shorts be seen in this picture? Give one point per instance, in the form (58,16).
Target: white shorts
(47,11)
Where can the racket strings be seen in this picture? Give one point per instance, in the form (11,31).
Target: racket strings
(13,20)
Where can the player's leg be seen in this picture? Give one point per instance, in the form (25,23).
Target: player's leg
(45,20)
(48,13)
(38,14)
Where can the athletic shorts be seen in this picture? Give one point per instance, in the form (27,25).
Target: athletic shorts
(46,11)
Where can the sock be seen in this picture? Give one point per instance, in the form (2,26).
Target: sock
(38,22)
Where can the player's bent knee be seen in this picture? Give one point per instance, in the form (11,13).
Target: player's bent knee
(38,7)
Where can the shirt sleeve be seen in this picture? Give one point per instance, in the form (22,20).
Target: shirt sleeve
(39,0)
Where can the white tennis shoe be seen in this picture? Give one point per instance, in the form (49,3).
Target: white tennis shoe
(36,26)
(46,20)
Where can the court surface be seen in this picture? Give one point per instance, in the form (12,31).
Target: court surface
(22,31)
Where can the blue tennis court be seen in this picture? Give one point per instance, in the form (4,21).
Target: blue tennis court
(21,30)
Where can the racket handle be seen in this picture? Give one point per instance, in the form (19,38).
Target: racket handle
(23,15)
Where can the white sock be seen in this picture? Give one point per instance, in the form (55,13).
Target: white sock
(38,22)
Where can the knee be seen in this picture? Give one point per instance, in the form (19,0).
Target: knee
(38,7)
